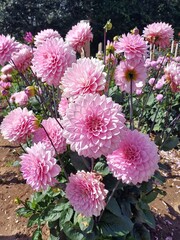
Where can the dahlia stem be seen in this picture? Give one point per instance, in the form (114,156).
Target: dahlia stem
(108,79)
(54,101)
(92,164)
(104,57)
(152,125)
(109,199)
(8,103)
(61,162)
(131,107)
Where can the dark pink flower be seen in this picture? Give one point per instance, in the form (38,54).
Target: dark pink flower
(86,193)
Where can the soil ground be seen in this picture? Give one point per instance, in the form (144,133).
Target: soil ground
(166,208)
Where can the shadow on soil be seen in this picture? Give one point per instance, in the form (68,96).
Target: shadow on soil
(15,237)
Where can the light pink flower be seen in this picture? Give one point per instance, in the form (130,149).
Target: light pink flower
(38,167)
(22,59)
(159,97)
(51,60)
(43,35)
(7,69)
(151,81)
(54,132)
(159,33)
(135,160)
(128,70)
(93,125)
(79,35)
(6,77)
(18,125)
(20,98)
(172,75)
(85,76)
(7,47)
(160,83)
(62,107)
(86,193)
(133,46)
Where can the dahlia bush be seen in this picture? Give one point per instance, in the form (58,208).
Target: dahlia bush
(91,129)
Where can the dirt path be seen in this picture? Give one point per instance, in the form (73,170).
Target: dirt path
(12,227)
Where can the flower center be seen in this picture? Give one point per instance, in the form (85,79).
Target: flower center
(94,124)
(131,75)
(131,154)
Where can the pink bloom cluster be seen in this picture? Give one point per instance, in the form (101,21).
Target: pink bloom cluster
(79,35)
(43,35)
(159,33)
(172,75)
(86,193)
(20,98)
(18,125)
(135,160)
(51,59)
(93,125)
(53,131)
(85,76)
(38,167)
(22,59)
(7,47)
(133,46)
(130,70)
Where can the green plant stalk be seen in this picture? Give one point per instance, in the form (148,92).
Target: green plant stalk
(152,125)
(131,107)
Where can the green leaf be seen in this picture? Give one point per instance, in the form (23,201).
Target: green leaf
(170,143)
(101,168)
(114,208)
(66,215)
(34,219)
(145,216)
(112,225)
(150,196)
(24,212)
(79,162)
(159,177)
(150,100)
(37,235)
(71,232)
(85,223)
(141,233)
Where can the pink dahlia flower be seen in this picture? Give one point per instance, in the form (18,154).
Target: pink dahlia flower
(172,75)
(20,98)
(159,33)
(7,69)
(43,35)
(54,132)
(38,167)
(7,47)
(127,71)
(51,60)
(62,107)
(79,35)
(22,59)
(28,37)
(133,46)
(85,76)
(86,193)
(18,125)
(93,125)
(159,97)
(135,160)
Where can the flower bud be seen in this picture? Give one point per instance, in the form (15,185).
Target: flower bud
(108,25)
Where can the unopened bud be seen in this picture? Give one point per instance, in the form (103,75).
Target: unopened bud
(108,25)
(135,31)
(30,91)
(17,201)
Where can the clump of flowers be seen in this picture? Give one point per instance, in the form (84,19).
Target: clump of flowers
(86,193)
(18,125)
(159,33)
(8,46)
(43,35)
(128,71)
(136,158)
(79,35)
(172,75)
(85,76)
(51,133)
(93,125)
(39,167)
(51,59)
